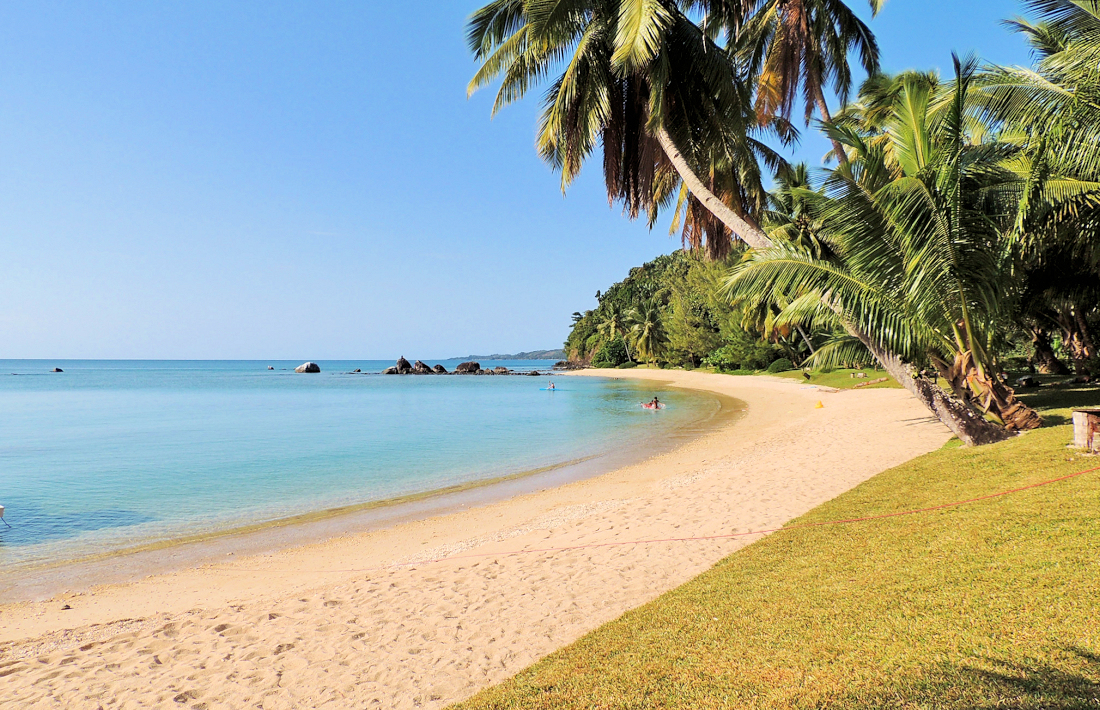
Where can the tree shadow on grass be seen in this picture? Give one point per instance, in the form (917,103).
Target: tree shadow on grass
(1066,396)
(1022,685)
(1015,685)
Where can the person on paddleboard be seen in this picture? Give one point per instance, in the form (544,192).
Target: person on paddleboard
(550,386)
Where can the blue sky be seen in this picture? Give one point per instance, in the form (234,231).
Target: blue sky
(308,180)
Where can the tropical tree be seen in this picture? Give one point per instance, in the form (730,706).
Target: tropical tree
(665,101)
(1054,110)
(648,332)
(798,48)
(921,260)
(614,321)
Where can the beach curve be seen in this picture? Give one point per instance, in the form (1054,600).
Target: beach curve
(379,620)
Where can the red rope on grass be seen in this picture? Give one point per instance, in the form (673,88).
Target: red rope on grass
(728,536)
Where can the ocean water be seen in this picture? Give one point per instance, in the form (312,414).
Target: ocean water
(110,455)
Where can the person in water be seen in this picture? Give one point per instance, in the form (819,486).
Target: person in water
(656,403)
(551,386)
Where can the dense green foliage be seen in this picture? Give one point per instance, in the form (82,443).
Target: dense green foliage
(675,302)
(612,353)
(781,365)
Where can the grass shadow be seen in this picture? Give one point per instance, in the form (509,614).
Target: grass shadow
(1021,685)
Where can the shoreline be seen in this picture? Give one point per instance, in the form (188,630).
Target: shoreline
(38,582)
(409,617)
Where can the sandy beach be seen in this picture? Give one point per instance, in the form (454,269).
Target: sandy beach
(426,613)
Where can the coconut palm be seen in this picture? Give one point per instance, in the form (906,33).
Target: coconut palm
(1054,109)
(647,331)
(922,260)
(799,48)
(1056,104)
(641,80)
(614,321)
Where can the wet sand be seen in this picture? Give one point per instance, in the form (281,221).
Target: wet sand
(427,612)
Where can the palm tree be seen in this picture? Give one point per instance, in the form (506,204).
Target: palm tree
(1054,109)
(647,331)
(1056,105)
(615,322)
(798,47)
(922,260)
(644,82)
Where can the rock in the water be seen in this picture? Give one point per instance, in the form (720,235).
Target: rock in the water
(356,370)
(500,370)
(470,367)
(390,371)
(534,373)
(420,368)
(308,367)
(57,369)
(270,367)
(403,366)
(439,370)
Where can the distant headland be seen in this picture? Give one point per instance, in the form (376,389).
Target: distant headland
(558,354)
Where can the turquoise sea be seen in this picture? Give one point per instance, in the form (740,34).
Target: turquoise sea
(110,455)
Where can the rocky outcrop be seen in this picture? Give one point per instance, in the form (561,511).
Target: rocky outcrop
(468,368)
(308,367)
(57,369)
(569,365)
(356,370)
(500,370)
(534,373)
(439,370)
(270,367)
(403,366)
(390,371)
(420,368)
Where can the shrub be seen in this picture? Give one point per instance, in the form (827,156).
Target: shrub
(612,353)
(781,365)
(724,358)
(741,372)
(627,365)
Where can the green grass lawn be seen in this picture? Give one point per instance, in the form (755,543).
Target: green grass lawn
(994,604)
(842,379)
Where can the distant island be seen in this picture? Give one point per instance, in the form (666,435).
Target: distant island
(558,354)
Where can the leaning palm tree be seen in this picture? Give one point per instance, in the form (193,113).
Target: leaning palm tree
(664,101)
(647,330)
(922,261)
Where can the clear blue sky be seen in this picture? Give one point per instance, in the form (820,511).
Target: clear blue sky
(308,180)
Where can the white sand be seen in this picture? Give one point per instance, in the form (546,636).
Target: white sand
(337,625)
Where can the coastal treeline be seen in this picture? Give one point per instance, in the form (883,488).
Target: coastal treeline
(955,225)
(698,324)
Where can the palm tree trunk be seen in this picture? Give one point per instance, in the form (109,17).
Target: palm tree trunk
(963,420)
(746,231)
(626,346)
(807,340)
(823,109)
(1044,358)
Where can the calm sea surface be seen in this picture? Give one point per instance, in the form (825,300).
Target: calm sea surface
(114,454)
